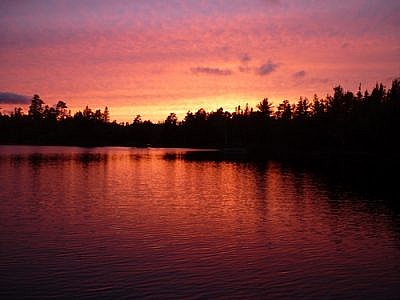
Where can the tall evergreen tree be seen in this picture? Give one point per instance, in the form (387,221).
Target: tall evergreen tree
(36,108)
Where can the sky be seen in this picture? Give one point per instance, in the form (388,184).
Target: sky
(154,57)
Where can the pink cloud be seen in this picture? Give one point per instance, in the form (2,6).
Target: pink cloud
(267,68)
(142,51)
(211,71)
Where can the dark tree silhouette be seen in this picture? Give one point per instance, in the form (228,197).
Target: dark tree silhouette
(36,108)
(361,127)
(302,109)
(284,110)
(137,120)
(62,110)
(172,119)
(106,115)
(265,108)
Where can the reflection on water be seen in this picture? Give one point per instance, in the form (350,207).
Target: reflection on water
(169,223)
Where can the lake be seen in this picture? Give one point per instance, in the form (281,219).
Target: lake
(127,223)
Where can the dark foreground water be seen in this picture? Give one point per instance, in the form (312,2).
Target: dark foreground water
(151,223)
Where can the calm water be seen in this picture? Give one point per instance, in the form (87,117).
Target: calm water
(150,223)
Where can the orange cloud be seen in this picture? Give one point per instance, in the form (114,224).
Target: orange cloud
(150,54)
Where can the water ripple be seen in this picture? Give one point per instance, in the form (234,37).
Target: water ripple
(125,223)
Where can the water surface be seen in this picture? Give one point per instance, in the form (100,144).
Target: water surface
(152,223)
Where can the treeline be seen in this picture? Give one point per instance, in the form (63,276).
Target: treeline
(346,123)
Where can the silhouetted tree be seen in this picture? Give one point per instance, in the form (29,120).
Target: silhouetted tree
(36,108)
(341,103)
(172,119)
(18,112)
(201,115)
(62,110)
(217,116)
(341,125)
(137,120)
(284,110)
(50,113)
(106,115)
(302,109)
(318,108)
(247,110)
(87,113)
(394,92)
(265,108)
(189,118)
(78,115)
(98,115)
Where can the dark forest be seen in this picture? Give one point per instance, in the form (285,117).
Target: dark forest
(361,126)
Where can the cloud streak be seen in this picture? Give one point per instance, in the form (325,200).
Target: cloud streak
(245,58)
(267,68)
(12,98)
(299,74)
(211,71)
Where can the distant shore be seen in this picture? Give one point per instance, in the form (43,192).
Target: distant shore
(352,131)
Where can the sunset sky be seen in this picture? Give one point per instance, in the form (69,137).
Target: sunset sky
(153,57)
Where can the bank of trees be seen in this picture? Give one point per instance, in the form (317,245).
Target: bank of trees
(54,125)
(346,123)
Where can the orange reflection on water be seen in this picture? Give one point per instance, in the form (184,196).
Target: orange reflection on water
(157,221)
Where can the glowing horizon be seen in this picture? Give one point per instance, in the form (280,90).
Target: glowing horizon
(156,57)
